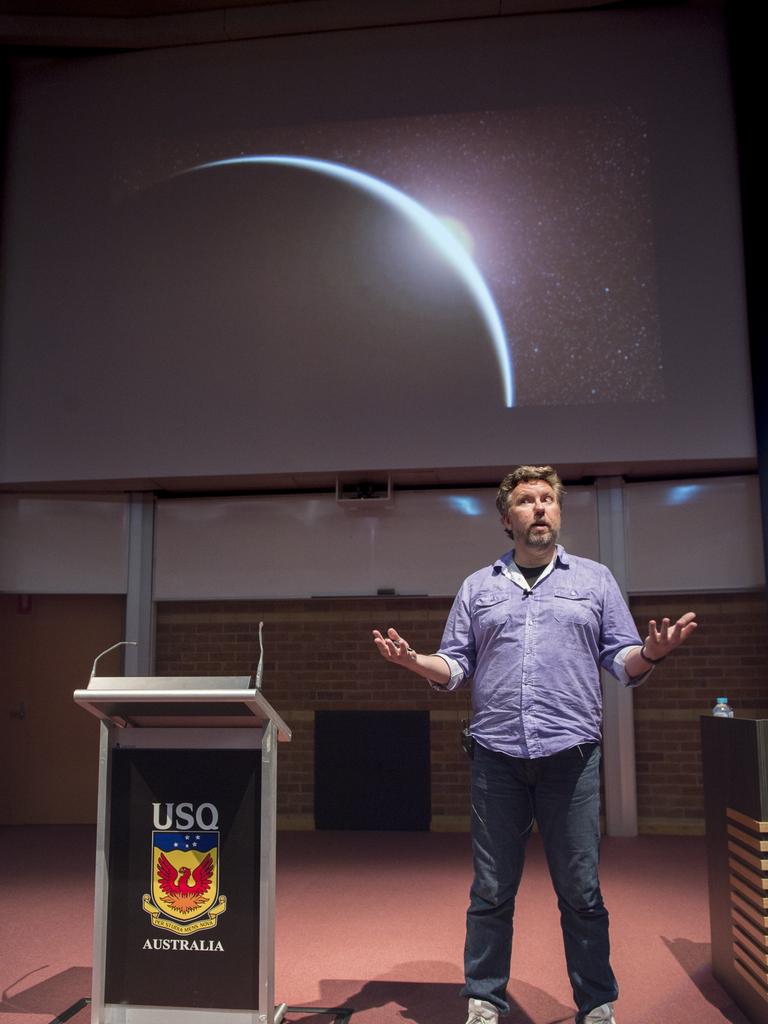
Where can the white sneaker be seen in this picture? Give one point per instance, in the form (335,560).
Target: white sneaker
(481,1012)
(601,1015)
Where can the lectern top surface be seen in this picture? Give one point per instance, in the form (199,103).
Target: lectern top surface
(179,701)
(154,683)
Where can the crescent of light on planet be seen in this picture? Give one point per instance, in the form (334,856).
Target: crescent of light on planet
(427,224)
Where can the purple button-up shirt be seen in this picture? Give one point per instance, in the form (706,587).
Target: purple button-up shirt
(534,654)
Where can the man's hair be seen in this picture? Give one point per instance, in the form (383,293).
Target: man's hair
(525,475)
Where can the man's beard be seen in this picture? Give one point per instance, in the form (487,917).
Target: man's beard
(534,538)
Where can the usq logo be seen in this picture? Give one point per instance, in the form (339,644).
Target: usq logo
(185,869)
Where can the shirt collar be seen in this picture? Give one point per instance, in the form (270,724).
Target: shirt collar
(506,566)
(561,556)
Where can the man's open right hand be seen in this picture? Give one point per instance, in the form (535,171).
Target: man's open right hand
(394,648)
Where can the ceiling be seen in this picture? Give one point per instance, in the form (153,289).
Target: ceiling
(141,24)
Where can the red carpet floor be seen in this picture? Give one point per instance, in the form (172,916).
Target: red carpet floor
(375,921)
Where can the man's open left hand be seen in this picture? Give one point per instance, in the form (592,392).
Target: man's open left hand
(662,640)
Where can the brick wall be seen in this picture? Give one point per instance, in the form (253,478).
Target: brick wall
(727,657)
(319,655)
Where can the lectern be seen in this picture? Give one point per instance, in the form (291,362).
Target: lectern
(185,851)
(735,757)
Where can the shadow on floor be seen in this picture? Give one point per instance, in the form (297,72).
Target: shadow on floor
(696,960)
(51,996)
(429,1002)
(419,1002)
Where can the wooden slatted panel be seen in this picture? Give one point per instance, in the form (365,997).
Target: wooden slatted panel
(745,839)
(760,986)
(760,919)
(758,936)
(751,823)
(742,944)
(757,881)
(761,863)
(749,894)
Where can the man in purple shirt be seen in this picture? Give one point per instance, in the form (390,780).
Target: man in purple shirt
(532,631)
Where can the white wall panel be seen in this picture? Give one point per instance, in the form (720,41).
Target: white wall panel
(62,545)
(690,535)
(303,546)
(694,535)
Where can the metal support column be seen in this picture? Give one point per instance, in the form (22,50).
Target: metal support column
(618,716)
(139,606)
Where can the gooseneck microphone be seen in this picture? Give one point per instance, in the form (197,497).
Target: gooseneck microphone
(260,668)
(120,643)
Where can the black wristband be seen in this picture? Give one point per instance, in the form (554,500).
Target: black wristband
(651,661)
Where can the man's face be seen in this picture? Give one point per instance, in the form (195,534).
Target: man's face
(533,515)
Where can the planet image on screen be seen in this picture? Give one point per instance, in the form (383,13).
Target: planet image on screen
(319,288)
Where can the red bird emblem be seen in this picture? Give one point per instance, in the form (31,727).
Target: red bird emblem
(179,894)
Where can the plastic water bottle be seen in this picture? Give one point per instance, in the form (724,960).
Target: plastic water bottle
(722,708)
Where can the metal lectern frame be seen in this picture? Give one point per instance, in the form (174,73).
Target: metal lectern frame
(167,713)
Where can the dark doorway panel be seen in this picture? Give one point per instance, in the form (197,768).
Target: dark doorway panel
(372,770)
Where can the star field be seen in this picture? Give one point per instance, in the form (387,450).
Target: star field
(557,202)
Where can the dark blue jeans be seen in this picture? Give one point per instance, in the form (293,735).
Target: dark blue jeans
(562,794)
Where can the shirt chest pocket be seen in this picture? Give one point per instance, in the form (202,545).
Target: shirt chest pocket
(490,610)
(571,608)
